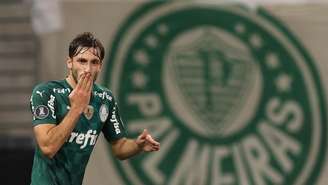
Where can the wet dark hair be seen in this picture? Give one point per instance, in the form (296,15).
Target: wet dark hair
(87,40)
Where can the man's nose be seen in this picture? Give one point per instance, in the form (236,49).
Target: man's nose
(87,67)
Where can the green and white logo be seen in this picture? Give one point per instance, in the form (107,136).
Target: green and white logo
(230,93)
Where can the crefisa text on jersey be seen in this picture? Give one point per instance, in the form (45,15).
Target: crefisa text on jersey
(83,139)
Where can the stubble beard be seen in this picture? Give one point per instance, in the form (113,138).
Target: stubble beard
(74,75)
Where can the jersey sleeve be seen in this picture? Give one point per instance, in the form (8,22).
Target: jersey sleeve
(113,128)
(42,104)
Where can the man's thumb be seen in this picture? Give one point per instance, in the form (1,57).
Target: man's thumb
(144,134)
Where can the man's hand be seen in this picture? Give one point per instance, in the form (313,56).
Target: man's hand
(80,96)
(125,148)
(146,143)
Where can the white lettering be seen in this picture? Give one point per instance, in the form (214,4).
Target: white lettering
(259,163)
(218,176)
(83,139)
(87,136)
(115,122)
(79,139)
(103,95)
(61,90)
(252,152)
(73,136)
(240,166)
(281,144)
(51,105)
(279,113)
(93,138)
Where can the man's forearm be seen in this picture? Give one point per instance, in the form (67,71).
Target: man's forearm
(126,148)
(59,134)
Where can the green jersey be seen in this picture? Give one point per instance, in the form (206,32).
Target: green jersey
(50,104)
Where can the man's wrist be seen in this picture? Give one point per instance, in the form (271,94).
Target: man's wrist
(76,110)
(139,146)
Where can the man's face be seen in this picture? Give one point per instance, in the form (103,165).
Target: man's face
(85,61)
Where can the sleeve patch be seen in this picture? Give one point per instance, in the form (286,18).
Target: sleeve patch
(41,112)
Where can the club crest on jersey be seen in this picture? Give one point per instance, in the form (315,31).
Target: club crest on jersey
(41,112)
(103,112)
(88,112)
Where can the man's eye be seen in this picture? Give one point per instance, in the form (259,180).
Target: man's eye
(95,62)
(82,61)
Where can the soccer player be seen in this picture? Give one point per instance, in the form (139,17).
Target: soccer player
(69,114)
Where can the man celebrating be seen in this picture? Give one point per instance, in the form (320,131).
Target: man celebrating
(69,114)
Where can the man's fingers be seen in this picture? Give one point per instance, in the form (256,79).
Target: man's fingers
(89,84)
(79,82)
(151,140)
(85,80)
(147,142)
(153,148)
(144,134)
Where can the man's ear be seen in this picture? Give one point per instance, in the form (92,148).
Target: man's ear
(69,62)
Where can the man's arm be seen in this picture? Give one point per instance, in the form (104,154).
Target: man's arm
(50,137)
(125,148)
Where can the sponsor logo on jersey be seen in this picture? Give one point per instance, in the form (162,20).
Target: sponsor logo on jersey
(41,112)
(232,96)
(40,93)
(115,122)
(88,112)
(84,139)
(61,90)
(103,112)
(51,105)
(103,95)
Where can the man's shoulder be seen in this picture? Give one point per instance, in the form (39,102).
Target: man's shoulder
(48,86)
(102,88)
(103,92)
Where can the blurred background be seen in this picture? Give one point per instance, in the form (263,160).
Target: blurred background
(235,91)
